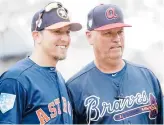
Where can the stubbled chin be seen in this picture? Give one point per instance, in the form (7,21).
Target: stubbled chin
(60,57)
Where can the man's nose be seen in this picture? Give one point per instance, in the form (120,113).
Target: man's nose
(65,37)
(116,38)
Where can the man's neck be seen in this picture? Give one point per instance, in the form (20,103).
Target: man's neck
(110,66)
(41,59)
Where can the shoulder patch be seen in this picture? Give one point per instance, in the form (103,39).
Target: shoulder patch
(6,102)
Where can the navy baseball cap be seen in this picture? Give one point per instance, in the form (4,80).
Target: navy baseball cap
(53,16)
(104,17)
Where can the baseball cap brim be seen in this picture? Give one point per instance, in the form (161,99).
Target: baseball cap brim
(73,26)
(111,26)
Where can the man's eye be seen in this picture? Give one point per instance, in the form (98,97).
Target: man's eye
(108,33)
(68,32)
(120,32)
(58,32)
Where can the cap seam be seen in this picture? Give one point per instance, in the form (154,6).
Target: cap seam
(93,21)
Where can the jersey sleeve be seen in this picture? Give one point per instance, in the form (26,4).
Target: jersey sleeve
(12,101)
(159,95)
(160,107)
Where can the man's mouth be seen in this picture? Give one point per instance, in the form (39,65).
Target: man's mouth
(116,47)
(61,46)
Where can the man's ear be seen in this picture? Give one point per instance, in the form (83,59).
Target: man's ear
(36,37)
(89,37)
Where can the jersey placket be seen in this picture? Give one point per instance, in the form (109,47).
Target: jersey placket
(53,75)
(118,81)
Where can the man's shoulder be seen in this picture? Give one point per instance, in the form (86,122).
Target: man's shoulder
(81,73)
(139,68)
(16,70)
(136,66)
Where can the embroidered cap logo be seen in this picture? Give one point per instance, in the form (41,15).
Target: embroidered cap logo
(62,13)
(111,13)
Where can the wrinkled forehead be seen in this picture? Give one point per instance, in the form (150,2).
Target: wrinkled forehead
(113,29)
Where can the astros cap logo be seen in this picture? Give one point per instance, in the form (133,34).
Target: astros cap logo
(62,13)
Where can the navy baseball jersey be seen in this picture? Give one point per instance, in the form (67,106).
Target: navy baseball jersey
(30,94)
(130,96)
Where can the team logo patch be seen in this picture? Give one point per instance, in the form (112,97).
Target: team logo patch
(111,13)
(6,102)
(62,13)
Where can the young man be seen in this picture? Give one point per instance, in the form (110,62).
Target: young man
(33,91)
(111,90)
